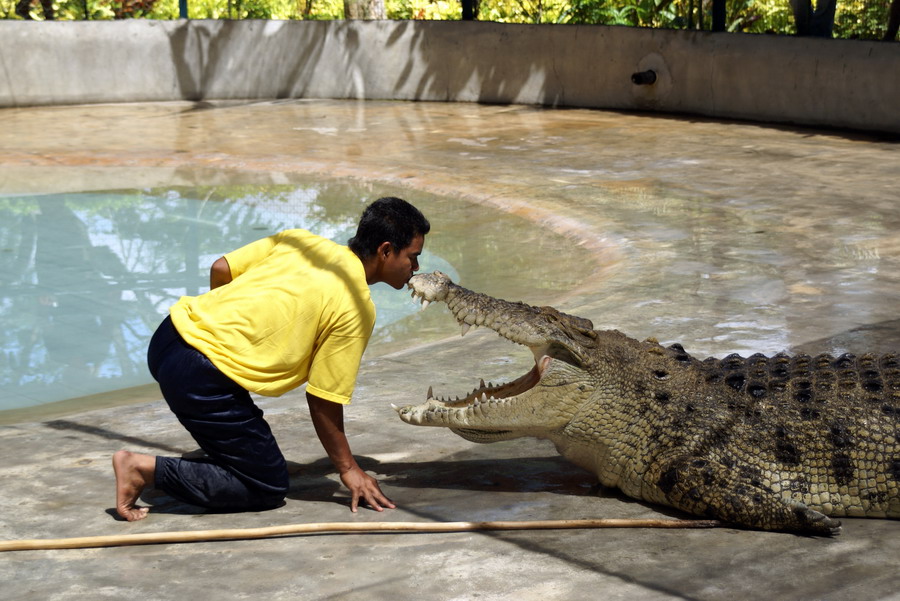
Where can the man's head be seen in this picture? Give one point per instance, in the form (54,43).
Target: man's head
(391,220)
(389,240)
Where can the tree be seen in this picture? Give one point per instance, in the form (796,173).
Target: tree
(894,22)
(818,22)
(364,9)
(23,9)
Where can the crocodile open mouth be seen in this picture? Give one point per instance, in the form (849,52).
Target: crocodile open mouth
(486,393)
(536,328)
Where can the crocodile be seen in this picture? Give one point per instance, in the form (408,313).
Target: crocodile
(787,442)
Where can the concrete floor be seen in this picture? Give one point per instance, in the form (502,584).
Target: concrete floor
(55,478)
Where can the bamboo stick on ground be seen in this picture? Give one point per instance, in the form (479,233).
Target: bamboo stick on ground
(335,527)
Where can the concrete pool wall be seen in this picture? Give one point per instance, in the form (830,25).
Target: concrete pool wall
(804,81)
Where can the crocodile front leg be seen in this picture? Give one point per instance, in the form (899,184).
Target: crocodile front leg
(707,487)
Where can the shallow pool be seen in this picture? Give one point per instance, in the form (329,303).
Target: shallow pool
(86,277)
(725,237)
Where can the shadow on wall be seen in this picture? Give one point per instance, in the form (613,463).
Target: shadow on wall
(835,83)
(437,61)
(244,59)
(452,70)
(512,63)
(763,78)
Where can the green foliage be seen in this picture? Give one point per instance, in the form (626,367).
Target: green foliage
(861,19)
(749,16)
(439,10)
(522,11)
(865,19)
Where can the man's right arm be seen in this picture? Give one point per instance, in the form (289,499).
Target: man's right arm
(219,273)
(328,420)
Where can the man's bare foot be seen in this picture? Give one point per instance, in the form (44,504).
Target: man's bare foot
(134,472)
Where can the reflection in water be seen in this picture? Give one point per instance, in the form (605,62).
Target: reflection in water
(69,338)
(86,278)
(725,237)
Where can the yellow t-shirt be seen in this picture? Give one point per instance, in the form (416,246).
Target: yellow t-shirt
(297,309)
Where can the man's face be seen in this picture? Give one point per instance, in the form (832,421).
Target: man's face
(401,265)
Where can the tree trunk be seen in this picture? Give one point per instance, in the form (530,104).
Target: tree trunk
(23,9)
(364,9)
(894,21)
(818,22)
(470,9)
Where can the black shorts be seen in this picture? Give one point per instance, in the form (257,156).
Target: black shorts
(244,468)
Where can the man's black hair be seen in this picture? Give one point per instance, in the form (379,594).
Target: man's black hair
(391,220)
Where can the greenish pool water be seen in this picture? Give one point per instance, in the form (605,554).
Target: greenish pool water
(85,278)
(724,237)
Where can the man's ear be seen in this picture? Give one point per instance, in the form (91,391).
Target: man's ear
(384,249)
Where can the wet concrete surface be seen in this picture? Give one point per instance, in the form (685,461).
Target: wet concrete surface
(725,237)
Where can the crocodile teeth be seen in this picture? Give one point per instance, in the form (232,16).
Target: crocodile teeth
(482,382)
(420,298)
(430,394)
(465,328)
